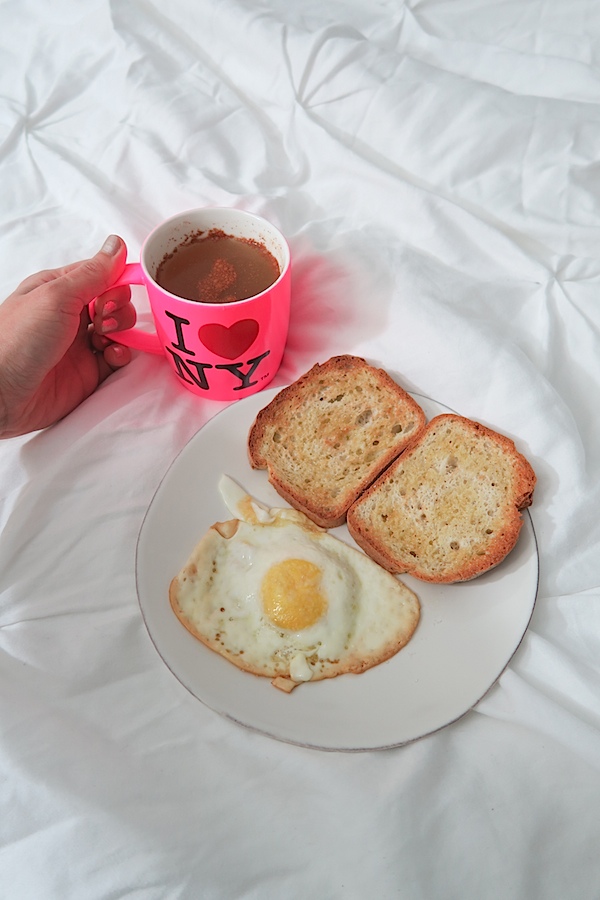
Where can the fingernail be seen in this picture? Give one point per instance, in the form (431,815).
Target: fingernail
(110,324)
(108,309)
(111,245)
(119,355)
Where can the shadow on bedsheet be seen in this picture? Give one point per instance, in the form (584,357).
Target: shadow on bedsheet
(333,302)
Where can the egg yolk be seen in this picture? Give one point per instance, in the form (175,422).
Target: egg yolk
(291,595)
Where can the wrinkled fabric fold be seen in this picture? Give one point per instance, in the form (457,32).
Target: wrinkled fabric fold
(434,167)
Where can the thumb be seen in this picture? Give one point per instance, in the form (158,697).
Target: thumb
(93,276)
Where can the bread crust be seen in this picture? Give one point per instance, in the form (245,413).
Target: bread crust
(413,510)
(325,438)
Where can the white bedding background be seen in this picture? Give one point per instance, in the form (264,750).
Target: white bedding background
(435,166)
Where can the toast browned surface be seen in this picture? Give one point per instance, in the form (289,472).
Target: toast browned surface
(326,437)
(449,508)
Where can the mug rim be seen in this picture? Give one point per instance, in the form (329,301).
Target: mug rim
(210,209)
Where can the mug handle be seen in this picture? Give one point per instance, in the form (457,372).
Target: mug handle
(131,337)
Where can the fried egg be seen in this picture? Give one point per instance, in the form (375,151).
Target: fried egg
(280,597)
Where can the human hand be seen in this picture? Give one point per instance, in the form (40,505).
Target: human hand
(51,356)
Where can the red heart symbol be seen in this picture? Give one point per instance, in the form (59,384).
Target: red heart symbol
(229,342)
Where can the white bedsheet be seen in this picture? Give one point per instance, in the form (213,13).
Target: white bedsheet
(435,167)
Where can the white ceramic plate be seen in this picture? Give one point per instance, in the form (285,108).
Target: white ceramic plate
(467,634)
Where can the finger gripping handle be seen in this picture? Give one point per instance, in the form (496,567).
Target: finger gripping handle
(131,337)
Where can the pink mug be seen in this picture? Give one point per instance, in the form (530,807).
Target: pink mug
(222,351)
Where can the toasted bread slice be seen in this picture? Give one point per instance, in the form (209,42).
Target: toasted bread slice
(328,435)
(448,508)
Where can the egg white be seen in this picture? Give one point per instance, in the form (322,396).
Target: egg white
(369,613)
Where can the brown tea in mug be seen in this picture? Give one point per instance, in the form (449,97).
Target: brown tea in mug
(214,267)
